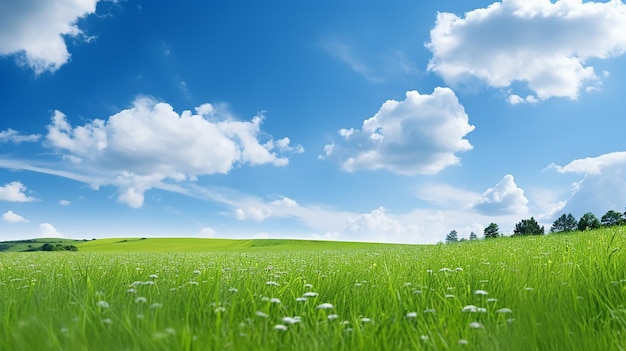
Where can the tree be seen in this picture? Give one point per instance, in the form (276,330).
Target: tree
(492,231)
(612,218)
(47,247)
(565,223)
(588,221)
(452,237)
(473,236)
(528,227)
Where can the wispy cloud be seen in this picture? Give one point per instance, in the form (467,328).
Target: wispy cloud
(376,68)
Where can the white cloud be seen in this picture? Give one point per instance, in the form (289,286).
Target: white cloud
(602,188)
(47,230)
(14,192)
(419,135)
(516,99)
(377,225)
(150,144)
(284,202)
(446,195)
(593,165)
(505,198)
(253,213)
(34,30)
(208,232)
(15,137)
(11,217)
(424,226)
(64,202)
(543,43)
(375,67)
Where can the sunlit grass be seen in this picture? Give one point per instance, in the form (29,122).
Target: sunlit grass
(558,292)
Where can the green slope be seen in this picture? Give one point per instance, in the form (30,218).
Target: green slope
(184,245)
(29,245)
(207,245)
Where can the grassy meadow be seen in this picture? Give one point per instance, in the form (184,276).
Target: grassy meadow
(553,292)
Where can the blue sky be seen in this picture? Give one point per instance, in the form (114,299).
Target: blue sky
(393,121)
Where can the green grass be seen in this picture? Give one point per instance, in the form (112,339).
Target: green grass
(564,292)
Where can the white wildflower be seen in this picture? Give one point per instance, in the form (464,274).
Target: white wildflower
(504,310)
(411,315)
(332,317)
(481,292)
(469,308)
(102,304)
(310,294)
(272,283)
(291,320)
(325,306)
(275,300)
(366,320)
(141,299)
(300,299)
(475,325)
(280,327)
(261,314)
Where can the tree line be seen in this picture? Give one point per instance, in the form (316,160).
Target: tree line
(565,223)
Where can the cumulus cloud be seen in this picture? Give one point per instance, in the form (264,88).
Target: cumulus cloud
(148,144)
(34,30)
(14,192)
(15,137)
(11,217)
(593,165)
(602,187)
(257,210)
(546,44)
(208,232)
(505,198)
(419,135)
(47,230)
(376,221)
(64,202)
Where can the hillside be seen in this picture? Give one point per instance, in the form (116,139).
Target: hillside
(182,245)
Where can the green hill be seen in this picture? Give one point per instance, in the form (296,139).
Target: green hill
(183,245)
(35,244)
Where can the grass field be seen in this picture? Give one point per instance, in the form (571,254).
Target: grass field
(556,292)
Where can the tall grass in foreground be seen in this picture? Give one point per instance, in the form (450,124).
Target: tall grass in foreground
(558,292)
